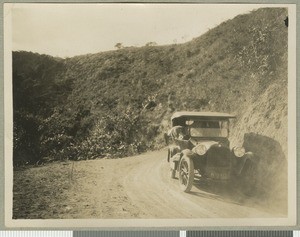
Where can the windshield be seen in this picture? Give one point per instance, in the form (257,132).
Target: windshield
(209,128)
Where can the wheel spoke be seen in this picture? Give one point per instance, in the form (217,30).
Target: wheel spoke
(184,173)
(186,176)
(184,181)
(184,167)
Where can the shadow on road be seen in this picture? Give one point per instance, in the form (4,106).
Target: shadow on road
(218,191)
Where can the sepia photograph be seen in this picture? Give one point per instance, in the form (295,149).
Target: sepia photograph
(150,115)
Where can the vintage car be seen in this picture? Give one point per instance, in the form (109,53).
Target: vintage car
(198,143)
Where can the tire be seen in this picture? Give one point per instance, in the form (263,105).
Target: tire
(186,173)
(248,183)
(173,173)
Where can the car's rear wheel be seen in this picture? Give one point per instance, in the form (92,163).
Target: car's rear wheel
(169,155)
(173,173)
(186,173)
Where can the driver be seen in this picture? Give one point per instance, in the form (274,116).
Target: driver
(178,132)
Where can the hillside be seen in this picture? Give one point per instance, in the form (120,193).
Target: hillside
(119,103)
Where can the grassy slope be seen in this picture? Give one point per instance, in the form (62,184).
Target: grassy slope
(236,67)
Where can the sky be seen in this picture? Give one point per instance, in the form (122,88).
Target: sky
(66,30)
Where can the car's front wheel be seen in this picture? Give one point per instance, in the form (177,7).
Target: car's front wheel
(186,173)
(248,178)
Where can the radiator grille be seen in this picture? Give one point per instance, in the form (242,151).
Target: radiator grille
(218,162)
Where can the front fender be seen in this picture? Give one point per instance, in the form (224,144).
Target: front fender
(174,150)
(178,157)
(175,159)
(188,153)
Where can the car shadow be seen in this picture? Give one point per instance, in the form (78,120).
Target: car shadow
(218,191)
(221,191)
(230,193)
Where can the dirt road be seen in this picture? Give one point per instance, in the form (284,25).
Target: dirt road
(133,187)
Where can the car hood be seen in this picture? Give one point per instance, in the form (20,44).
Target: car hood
(206,143)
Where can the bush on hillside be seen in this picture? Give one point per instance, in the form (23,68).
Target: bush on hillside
(95,105)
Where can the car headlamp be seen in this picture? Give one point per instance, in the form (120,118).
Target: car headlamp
(200,150)
(239,151)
